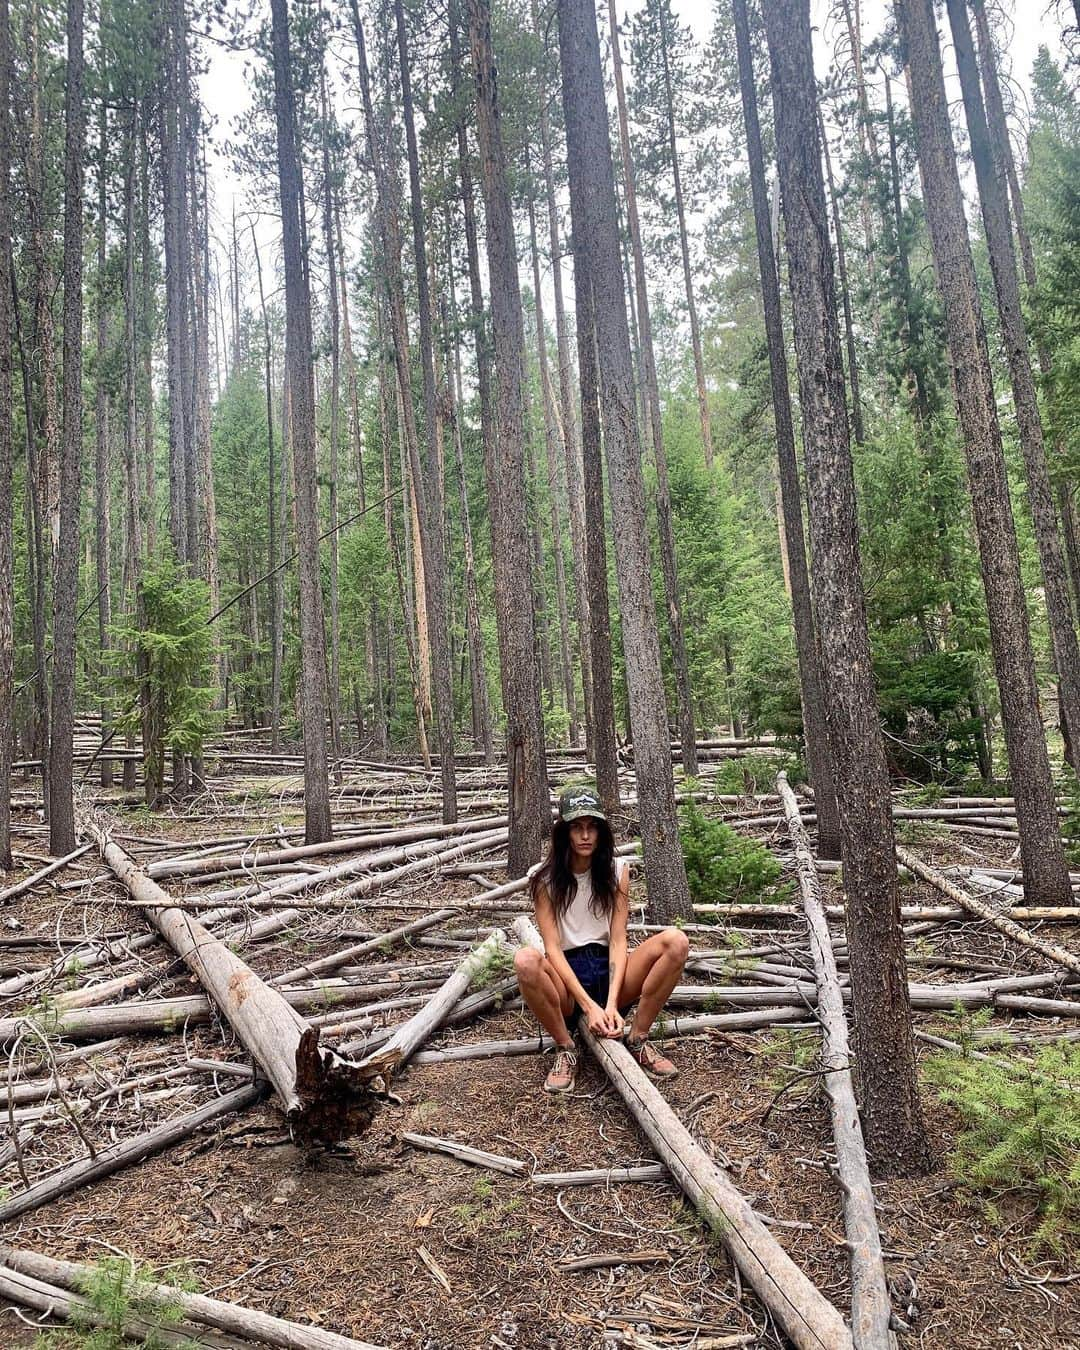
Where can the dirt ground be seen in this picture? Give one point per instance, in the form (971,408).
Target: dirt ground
(407,1248)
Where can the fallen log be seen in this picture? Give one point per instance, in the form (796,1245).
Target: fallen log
(21,887)
(52,1301)
(254,859)
(602,1176)
(936,913)
(604,1260)
(389,1058)
(870,1307)
(523,1045)
(109,1160)
(981,910)
(323,1094)
(377,943)
(232,1318)
(135,1018)
(810,1320)
(478,1157)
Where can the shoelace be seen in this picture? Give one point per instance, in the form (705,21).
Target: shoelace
(564,1060)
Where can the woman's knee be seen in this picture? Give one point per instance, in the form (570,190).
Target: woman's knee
(676,944)
(528,965)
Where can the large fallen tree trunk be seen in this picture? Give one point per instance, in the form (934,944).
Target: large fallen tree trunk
(981,910)
(413,1033)
(870,1308)
(323,1094)
(109,1160)
(232,1318)
(810,1320)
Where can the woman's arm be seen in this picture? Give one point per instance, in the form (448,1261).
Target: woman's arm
(617,948)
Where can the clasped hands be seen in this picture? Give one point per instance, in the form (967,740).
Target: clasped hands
(605,1022)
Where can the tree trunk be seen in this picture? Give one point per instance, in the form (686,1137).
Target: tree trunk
(845,294)
(7,523)
(102,496)
(66,576)
(335,418)
(687,733)
(592,204)
(684,245)
(208,562)
(317,823)
(529,803)
(173,182)
(551,448)
(276,614)
(995,213)
(571,450)
(132,484)
(596,568)
(1045,874)
(427,482)
(811,679)
(885,1051)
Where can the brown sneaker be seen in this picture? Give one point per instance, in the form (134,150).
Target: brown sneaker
(563,1073)
(650,1059)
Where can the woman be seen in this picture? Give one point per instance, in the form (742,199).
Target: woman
(581,897)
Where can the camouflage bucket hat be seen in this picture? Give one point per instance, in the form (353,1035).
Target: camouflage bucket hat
(575,802)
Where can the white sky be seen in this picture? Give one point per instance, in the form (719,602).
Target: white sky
(226,93)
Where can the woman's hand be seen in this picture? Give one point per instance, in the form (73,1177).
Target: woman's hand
(603,1022)
(598,1020)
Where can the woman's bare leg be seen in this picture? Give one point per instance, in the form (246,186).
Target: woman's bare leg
(545,994)
(652,972)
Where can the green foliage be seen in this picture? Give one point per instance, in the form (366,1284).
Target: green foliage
(495,966)
(1021,1131)
(722,866)
(1070,825)
(165,687)
(116,1290)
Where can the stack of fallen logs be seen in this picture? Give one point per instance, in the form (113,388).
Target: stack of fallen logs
(72,1064)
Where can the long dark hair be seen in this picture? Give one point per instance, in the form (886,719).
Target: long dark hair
(555,875)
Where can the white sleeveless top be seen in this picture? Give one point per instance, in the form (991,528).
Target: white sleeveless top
(579,925)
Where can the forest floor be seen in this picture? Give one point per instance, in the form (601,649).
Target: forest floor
(415,1249)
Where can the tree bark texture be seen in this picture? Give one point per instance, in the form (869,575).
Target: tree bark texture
(651,393)
(1045,875)
(7,524)
(313,700)
(892,1114)
(526,759)
(811,679)
(102,496)
(592,204)
(427,483)
(993,196)
(66,575)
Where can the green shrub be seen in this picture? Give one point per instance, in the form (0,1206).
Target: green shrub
(1021,1131)
(1070,825)
(722,866)
(116,1290)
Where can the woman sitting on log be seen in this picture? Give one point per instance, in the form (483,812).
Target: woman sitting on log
(581,896)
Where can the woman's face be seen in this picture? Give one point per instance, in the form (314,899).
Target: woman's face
(584,833)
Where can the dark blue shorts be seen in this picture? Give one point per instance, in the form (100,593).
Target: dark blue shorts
(590,965)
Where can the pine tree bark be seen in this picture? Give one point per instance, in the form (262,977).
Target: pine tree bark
(818,755)
(7,523)
(1046,879)
(684,245)
(894,1129)
(208,562)
(592,205)
(845,294)
(427,480)
(604,752)
(575,482)
(173,179)
(990,178)
(317,823)
(102,494)
(651,392)
(552,457)
(529,802)
(132,485)
(66,576)
(333,449)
